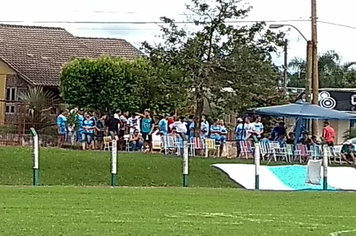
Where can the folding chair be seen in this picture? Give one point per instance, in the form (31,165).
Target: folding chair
(127,142)
(196,144)
(278,151)
(302,152)
(210,144)
(107,141)
(169,144)
(315,152)
(335,153)
(266,150)
(290,153)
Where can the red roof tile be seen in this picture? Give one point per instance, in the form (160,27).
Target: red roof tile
(39,53)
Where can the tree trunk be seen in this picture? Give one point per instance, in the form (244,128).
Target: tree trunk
(198,113)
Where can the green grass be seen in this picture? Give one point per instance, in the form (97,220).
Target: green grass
(172,211)
(68,167)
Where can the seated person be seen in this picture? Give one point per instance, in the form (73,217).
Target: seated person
(305,140)
(215,131)
(348,153)
(291,138)
(314,141)
(281,140)
(277,131)
(136,141)
(265,140)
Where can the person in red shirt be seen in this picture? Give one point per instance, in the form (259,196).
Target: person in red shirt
(328,134)
(171,121)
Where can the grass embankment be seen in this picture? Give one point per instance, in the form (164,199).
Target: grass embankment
(76,211)
(93,168)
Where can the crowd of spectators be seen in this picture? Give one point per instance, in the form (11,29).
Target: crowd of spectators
(91,129)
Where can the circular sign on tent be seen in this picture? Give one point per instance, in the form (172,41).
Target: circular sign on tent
(328,102)
(323,95)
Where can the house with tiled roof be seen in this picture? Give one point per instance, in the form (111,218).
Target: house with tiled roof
(34,56)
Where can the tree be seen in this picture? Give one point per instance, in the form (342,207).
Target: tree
(229,67)
(332,74)
(110,84)
(38,106)
(105,83)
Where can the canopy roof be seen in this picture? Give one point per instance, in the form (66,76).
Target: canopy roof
(303,110)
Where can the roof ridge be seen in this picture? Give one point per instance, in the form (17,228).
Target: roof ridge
(79,37)
(31,26)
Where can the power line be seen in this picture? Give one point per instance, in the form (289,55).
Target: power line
(160,22)
(143,22)
(337,24)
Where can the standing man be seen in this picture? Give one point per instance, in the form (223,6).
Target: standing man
(112,127)
(328,134)
(240,132)
(89,125)
(171,121)
(134,123)
(258,127)
(187,124)
(147,127)
(163,126)
(80,119)
(205,127)
(62,127)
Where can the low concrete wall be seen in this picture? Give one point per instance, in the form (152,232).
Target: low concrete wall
(26,140)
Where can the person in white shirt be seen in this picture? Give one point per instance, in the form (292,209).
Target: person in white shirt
(180,127)
(133,123)
(250,128)
(258,127)
(205,127)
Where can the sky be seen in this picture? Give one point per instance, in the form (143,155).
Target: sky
(294,12)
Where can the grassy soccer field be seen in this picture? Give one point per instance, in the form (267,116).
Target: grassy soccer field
(212,206)
(172,211)
(68,167)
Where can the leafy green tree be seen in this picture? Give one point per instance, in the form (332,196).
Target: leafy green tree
(228,67)
(109,84)
(332,74)
(105,83)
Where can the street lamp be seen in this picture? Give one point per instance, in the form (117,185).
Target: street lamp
(277,26)
(309,60)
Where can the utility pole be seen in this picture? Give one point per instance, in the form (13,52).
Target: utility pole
(315,80)
(308,74)
(285,75)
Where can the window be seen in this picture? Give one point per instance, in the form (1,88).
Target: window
(10,109)
(11,94)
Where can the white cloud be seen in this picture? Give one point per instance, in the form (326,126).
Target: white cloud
(330,37)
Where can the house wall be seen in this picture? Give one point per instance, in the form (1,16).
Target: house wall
(20,86)
(4,71)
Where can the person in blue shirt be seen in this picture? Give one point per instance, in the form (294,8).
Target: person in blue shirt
(163,126)
(191,131)
(80,119)
(62,127)
(240,131)
(278,131)
(147,127)
(223,134)
(89,126)
(215,131)
(188,123)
